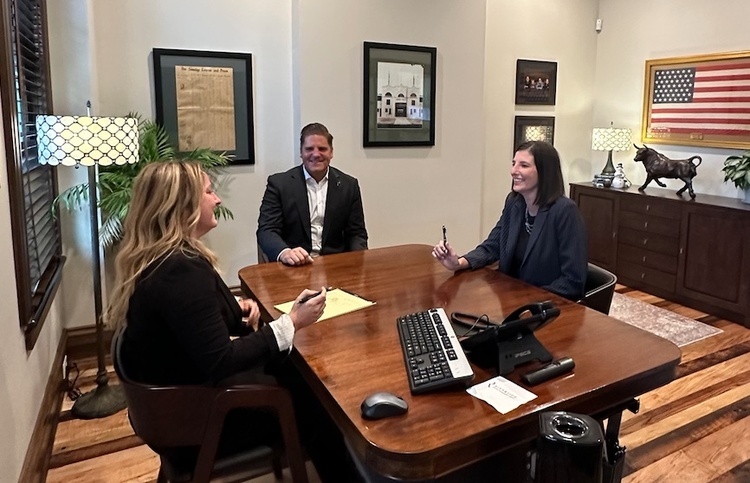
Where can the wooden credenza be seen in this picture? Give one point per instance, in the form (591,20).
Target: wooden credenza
(694,252)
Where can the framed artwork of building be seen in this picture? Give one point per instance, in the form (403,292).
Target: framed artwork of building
(536,82)
(399,95)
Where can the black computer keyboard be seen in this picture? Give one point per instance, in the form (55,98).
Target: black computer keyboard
(433,357)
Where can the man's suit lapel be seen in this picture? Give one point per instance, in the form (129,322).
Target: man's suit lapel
(300,201)
(333,199)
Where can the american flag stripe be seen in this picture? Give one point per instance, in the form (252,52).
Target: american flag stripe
(709,99)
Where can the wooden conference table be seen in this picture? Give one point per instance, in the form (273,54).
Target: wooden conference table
(346,358)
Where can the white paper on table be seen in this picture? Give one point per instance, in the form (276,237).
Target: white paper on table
(501,394)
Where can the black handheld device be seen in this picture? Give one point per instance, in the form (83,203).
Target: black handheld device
(551,370)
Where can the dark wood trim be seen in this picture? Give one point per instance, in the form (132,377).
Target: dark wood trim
(76,343)
(13,161)
(32,310)
(36,463)
(49,285)
(82,342)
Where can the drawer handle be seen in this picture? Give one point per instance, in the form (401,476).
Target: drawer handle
(648,207)
(645,241)
(644,258)
(645,225)
(643,275)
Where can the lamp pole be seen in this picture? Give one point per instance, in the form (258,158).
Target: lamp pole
(105,400)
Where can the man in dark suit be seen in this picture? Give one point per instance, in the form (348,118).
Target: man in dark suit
(311,209)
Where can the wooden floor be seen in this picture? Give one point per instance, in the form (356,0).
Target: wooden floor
(692,430)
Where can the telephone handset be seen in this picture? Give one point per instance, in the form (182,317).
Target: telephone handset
(543,312)
(524,320)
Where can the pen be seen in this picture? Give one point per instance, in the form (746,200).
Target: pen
(312,296)
(445,237)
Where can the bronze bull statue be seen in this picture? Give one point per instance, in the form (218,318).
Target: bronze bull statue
(659,166)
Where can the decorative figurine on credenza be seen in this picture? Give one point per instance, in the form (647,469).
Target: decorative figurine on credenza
(659,166)
(620,180)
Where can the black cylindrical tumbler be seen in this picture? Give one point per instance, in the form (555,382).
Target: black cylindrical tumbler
(570,449)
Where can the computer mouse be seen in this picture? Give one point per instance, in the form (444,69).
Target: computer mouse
(382,405)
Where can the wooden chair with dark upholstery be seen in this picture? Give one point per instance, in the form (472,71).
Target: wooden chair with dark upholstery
(599,290)
(168,417)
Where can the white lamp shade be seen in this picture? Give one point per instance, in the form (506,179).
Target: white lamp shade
(610,139)
(83,140)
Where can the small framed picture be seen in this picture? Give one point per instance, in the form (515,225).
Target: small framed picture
(536,82)
(533,128)
(399,95)
(204,100)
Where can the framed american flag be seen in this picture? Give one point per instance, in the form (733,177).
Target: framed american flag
(702,100)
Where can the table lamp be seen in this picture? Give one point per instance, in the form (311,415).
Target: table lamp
(91,141)
(610,139)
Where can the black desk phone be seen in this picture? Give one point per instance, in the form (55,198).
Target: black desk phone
(511,342)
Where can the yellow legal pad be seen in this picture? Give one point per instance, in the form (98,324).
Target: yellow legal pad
(338,302)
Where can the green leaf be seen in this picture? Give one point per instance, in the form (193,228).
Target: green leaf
(737,170)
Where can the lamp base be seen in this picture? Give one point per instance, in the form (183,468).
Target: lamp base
(609,168)
(103,401)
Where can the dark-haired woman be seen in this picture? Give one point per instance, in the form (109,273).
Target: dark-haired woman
(540,237)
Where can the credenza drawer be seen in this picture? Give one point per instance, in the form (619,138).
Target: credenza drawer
(639,275)
(649,241)
(656,260)
(649,206)
(650,224)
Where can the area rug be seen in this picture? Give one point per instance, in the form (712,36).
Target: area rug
(669,325)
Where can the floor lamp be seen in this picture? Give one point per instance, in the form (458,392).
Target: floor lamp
(91,141)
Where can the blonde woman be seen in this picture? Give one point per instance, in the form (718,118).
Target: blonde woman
(178,311)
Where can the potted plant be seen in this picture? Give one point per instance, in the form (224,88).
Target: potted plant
(737,170)
(116,182)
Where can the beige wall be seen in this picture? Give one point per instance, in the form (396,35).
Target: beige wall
(307,63)
(23,375)
(548,30)
(408,193)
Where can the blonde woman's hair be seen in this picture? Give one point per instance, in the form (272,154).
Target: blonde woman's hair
(162,218)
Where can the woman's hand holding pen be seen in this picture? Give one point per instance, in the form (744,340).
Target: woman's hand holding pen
(308,307)
(445,254)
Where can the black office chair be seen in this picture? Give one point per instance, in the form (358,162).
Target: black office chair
(169,417)
(599,289)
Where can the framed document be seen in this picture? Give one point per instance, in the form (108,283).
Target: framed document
(204,100)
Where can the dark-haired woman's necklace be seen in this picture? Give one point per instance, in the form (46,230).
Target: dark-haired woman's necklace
(528,223)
